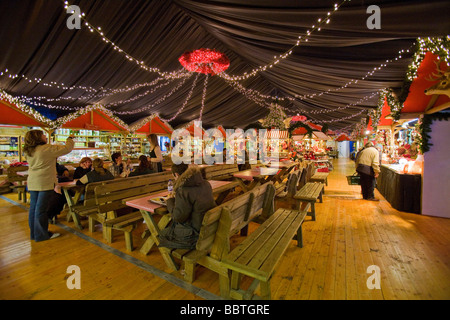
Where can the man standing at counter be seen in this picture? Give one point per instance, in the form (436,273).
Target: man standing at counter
(368,167)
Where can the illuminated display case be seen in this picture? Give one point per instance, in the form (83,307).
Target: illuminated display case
(78,153)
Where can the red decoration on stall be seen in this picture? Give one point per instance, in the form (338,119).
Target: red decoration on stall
(299,118)
(205,61)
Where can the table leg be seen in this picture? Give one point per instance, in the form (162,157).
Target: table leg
(70,203)
(155,230)
(149,242)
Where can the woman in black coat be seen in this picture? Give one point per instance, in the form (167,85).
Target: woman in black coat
(193,198)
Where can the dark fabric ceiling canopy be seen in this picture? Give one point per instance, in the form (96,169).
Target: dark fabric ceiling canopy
(35,42)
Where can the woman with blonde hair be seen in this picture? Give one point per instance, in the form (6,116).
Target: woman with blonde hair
(155,153)
(98,173)
(41,158)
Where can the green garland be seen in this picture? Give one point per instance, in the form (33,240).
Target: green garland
(435,45)
(300,124)
(424,128)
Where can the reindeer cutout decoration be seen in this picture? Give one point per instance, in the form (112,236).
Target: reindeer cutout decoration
(443,86)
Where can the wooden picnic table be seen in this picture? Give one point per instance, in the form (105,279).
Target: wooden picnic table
(256,176)
(148,209)
(63,188)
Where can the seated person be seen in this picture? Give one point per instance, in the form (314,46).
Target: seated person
(193,198)
(118,168)
(143,167)
(85,166)
(97,174)
(62,173)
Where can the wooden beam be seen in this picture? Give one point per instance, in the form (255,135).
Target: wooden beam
(438,108)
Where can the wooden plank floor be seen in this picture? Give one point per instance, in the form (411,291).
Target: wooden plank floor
(349,235)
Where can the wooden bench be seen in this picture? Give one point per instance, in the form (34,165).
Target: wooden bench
(109,198)
(289,187)
(310,170)
(309,193)
(259,254)
(321,177)
(87,205)
(218,225)
(219,171)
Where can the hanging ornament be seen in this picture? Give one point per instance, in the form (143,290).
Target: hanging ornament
(299,118)
(205,61)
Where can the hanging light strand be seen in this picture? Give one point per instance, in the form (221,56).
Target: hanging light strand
(343,118)
(129,57)
(148,107)
(316,27)
(185,102)
(203,97)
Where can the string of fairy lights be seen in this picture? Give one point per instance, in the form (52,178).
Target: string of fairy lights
(316,27)
(424,45)
(152,105)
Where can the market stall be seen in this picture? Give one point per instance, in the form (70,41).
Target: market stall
(153,124)
(14,124)
(410,183)
(97,134)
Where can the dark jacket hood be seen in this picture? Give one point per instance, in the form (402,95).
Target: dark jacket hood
(190,178)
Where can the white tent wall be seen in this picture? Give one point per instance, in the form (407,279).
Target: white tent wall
(436,178)
(344,149)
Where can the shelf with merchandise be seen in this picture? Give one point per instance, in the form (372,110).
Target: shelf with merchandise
(10,149)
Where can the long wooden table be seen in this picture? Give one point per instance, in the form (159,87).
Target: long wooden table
(149,209)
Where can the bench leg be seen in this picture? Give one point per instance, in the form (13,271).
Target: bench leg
(320,196)
(300,237)
(129,241)
(91,224)
(189,271)
(224,282)
(265,290)
(107,234)
(313,211)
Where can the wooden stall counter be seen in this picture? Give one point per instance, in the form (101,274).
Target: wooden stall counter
(401,190)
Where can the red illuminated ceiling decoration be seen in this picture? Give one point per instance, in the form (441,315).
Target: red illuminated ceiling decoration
(343,137)
(205,61)
(299,118)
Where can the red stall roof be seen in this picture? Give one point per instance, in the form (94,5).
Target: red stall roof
(11,114)
(155,125)
(417,101)
(94,120)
